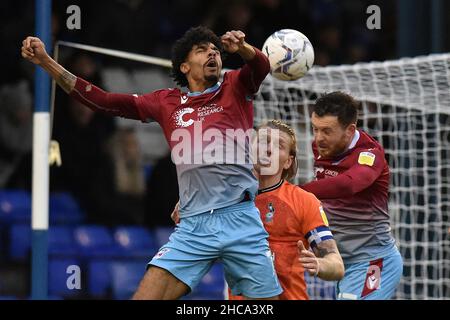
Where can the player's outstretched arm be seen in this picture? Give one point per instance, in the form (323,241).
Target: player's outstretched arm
(325,262)
(115,104)
(33,50)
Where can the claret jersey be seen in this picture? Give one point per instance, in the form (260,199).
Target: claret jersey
(208,132)
(353,188)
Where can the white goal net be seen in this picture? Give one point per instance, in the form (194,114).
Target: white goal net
(406,107)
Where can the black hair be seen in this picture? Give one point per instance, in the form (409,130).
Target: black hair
(339,104)
(182,47)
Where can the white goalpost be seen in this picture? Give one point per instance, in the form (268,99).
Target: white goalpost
(406,107)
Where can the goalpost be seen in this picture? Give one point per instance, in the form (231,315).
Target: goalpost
(41,142)
(406,107)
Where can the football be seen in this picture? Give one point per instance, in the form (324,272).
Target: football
(290,54)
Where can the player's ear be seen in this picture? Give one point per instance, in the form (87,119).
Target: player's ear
(288,163)
(184,67)
(351,129)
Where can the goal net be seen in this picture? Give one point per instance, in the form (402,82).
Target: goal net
(406,107)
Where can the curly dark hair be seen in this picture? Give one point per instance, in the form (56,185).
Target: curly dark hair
(339,104)
(182,47)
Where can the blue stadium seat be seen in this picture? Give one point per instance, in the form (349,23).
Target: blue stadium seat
(15,206)
(64,209)
(3,241)
(125,278)
(135,241)
(162,235)
(19,242)
(212,284)
(95,241)
(8,298)
(58,278)
(99,278)
(61,242)
(52,297)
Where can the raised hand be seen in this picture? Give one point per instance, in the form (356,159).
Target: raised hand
(232,41)
(33,50)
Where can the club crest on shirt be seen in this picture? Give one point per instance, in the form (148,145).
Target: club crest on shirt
(271,213)
(366,158)
(182,121)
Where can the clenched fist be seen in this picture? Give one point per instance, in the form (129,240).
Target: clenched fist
(33,49)
(232,41)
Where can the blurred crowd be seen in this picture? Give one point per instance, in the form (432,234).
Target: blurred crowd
(103,162)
